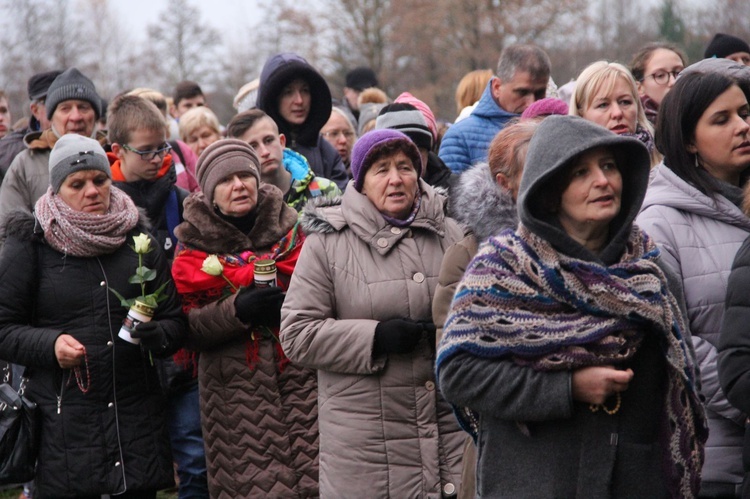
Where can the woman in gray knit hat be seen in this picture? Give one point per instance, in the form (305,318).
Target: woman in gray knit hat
(259,411)
(565,353)
(103,420)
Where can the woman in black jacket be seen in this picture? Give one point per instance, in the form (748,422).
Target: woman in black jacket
(102,414)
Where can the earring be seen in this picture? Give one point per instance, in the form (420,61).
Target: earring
(697,164)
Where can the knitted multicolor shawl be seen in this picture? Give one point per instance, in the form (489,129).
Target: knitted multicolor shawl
(522,300)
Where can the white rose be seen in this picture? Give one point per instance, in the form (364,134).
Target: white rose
(212,265)
(142,243)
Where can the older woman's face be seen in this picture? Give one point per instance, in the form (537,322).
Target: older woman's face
(616,110)
(722,136)
(87,191)
(236,195)
(391,185)
(592,198)
(200,138)
(340,134)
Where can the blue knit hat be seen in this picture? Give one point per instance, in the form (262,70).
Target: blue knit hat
(361,157)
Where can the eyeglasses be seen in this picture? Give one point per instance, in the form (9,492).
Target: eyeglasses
(662,77)
(150,155)
(333,134)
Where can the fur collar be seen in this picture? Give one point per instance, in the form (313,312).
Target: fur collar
(204,230)
(478,202)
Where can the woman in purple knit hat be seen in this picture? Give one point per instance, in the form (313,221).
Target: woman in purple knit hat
(358,310)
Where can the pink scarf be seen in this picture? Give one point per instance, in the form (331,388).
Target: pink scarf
(83,234)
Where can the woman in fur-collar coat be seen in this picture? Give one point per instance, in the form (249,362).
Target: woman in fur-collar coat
(258,410)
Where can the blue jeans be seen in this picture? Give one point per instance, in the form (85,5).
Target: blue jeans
(184,423)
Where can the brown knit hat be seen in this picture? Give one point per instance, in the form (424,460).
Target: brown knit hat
(223,158)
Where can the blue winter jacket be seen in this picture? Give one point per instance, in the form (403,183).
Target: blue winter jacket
(466,142)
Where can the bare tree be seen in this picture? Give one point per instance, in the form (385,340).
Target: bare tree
(184,47)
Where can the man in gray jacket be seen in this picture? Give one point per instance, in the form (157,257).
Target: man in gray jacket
(73,106)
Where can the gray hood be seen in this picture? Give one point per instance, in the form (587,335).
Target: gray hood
(558,140)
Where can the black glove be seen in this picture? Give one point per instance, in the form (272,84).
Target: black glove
(259,306)
(397,336)
(152,336)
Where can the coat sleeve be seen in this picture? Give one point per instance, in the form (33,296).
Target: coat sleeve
(454,150)
(455,261)
(505,390)
(215,324)
(334,166)
(14,191)
(734,340)
(169,312)
(20,342)
(311,334)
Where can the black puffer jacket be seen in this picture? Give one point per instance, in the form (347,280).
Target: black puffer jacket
(112,438)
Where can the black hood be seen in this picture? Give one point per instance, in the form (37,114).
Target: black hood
(280,70)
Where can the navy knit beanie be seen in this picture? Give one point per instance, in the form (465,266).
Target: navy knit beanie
(723,45)
(72,84)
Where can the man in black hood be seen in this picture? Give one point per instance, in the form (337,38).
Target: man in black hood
(298,99)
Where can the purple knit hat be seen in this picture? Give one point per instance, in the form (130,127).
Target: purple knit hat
(372,140)
(545,107)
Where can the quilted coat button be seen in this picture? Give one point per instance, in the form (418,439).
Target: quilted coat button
(102,283)
(395,230)
(418,277)
(110,405)
(117,463)
(449,489)
(382,242)
(430,385)
(109,343)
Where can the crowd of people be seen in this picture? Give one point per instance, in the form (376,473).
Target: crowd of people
(346,297)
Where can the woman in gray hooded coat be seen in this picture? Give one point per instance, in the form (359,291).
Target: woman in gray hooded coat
(565,352)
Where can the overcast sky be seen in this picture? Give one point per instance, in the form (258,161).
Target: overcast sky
(223,15)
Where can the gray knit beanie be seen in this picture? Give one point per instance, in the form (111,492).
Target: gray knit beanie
(223,158)
(407,119)
(72,84)
(73,153)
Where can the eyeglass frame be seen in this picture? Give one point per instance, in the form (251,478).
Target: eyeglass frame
(153,154)
(674,74)
(338,132)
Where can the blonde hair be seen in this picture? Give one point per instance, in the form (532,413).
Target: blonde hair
(601,77)
(197,117)
(373,95)
(152,95)
(471,86)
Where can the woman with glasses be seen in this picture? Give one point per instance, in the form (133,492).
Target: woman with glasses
(339,131)
(655,67)
(607,94)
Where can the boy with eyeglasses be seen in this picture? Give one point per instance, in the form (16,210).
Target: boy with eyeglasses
(280,166)
(142,166)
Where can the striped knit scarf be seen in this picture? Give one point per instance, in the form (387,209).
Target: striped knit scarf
(83,234)
(521,299)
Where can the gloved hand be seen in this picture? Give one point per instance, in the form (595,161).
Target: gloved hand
(259,306)
(152,336)
(398,336)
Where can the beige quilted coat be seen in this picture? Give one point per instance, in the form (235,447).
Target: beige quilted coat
(385,431)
